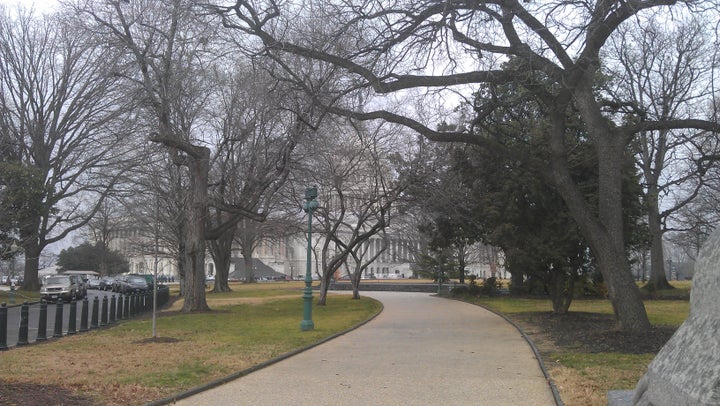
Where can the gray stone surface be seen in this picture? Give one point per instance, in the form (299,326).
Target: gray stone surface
(620,397)
(686,371)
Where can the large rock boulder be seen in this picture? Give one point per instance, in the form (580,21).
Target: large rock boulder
(686,371)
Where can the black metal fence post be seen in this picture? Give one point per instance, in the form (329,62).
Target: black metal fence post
(72,322)
(121,307)
(95,311)
(104,314)
(84,315)
(24,317)
(113,309)
(42,322)
(59,307)
(3,326)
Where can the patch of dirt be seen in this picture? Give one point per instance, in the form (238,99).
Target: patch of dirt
(26,394)
(164,340)
(591,333)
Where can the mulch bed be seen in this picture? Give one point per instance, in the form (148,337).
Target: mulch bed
(592,333)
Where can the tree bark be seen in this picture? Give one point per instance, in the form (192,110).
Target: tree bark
(355,280)
(249,271)
(658,278)
(604,231)
(195,234)
(222,252)
(31,281)
(561,295)
(461,262)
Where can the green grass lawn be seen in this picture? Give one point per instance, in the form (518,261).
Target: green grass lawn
(582,377)
(124,364)
(20,296)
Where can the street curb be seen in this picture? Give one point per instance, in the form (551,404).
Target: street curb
(536,352)
(220,381)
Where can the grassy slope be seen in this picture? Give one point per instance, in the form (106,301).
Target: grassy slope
(583,378)
(123,365)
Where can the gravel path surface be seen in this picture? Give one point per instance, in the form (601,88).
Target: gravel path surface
(421,350)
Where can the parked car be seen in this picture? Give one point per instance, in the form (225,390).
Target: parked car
(93,283)
(106,283)
(135,284)
(65,287)
(149,279)
(119,283)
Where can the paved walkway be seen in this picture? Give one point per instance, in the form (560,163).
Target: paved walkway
(421,350)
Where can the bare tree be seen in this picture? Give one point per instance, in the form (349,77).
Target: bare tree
(192,89)
(430,46)
(170,47)
(662,72)
(694,223)
(258,126)
(359,182)
(66,117)
(363,256)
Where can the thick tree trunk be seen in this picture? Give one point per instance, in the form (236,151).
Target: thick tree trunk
(604,231)
(517,281)
(249,271)
(355,280)
(561,289)
(461,269)
(195,234)
(222,253)
(324,286)
(658,279)
(31,282)
(609,243)
(181,263)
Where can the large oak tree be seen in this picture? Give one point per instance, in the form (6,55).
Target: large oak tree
(431,49)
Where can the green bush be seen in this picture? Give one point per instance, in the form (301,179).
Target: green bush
(490,286)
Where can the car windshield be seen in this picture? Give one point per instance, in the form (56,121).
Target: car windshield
(136,279)
(54,280)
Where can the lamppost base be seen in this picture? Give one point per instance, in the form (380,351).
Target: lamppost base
(307,325)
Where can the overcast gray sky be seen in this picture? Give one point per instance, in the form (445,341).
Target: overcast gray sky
(39,4)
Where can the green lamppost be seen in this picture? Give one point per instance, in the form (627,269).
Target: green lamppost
(310,205)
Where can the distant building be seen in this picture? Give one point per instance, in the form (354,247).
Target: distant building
(288,257)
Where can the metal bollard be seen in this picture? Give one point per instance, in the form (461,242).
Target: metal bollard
(95,311)
(113,309)
(121,308)
(23,333)
(104,314)
(3,326)
(72,322)
(42,322)
(59,307)
(84,316)
(126,314)
(131,306)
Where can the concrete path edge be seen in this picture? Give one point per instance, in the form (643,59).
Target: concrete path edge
(546,374)
(220,381)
